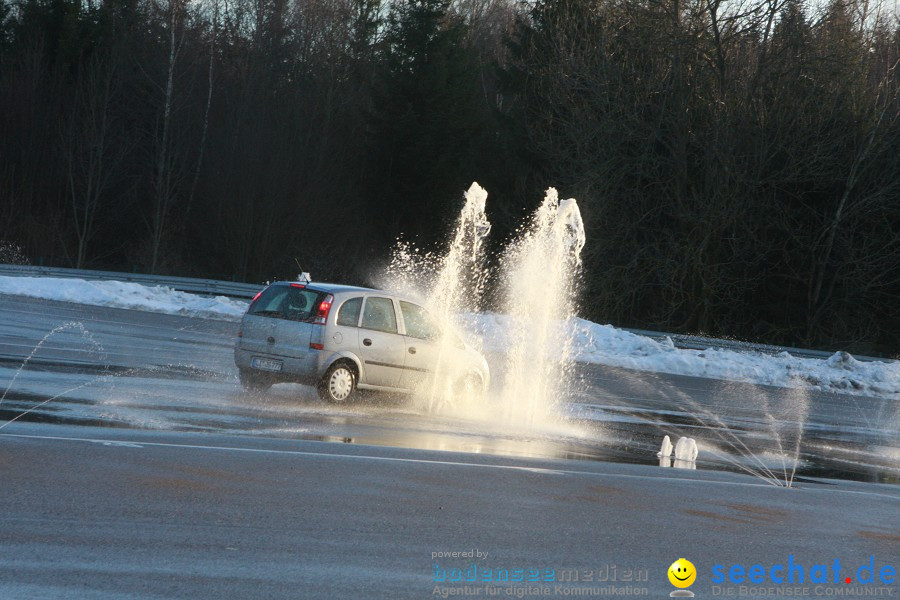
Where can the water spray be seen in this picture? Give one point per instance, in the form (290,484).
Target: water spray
(538,274)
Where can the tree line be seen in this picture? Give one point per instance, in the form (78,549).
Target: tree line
(737,162)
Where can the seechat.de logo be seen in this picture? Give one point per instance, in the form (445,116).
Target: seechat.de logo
(793,572)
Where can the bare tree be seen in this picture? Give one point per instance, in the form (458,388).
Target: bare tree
(209,98)
(167,175)
(855,206)
(92,150)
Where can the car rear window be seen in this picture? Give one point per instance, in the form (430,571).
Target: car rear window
(287,302)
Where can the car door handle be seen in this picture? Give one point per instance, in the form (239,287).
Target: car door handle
(367,342)
(271,340)
(412,350)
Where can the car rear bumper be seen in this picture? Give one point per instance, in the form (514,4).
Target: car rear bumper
(302,370)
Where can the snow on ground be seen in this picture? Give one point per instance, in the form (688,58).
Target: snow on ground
(607,345)
(120,294)
(591,342)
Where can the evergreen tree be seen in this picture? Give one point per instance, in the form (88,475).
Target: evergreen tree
(427,122)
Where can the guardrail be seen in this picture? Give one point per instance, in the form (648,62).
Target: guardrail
(207,287)
(697,342)
(214,287)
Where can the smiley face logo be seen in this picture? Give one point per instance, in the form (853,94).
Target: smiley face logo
(682,573)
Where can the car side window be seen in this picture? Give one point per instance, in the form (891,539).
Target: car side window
(349,314)
(379,315)
(419,323)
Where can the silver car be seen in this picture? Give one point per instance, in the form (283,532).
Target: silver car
(343,338)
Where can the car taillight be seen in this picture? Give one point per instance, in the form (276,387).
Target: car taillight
(256,297)
(315,346)
(298,285)
(240,333)
(324,309)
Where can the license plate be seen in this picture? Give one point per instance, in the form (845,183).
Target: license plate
(266,364)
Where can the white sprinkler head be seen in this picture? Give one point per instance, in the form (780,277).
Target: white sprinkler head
(666,449)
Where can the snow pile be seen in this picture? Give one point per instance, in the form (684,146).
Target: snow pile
(607,345)
(120,294)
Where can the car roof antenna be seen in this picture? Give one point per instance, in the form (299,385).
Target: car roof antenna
(303,277)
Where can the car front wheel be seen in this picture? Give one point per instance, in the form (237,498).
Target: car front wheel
(470,386)
(339,383)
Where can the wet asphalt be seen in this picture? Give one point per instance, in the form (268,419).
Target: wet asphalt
(145,472)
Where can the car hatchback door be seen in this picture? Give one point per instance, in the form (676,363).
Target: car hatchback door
(381,347)
(295,324)
(258,325)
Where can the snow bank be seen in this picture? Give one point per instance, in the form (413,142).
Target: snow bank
(607,345)
(119,294)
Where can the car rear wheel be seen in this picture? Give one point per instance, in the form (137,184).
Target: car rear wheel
(253,382)
(339,383)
